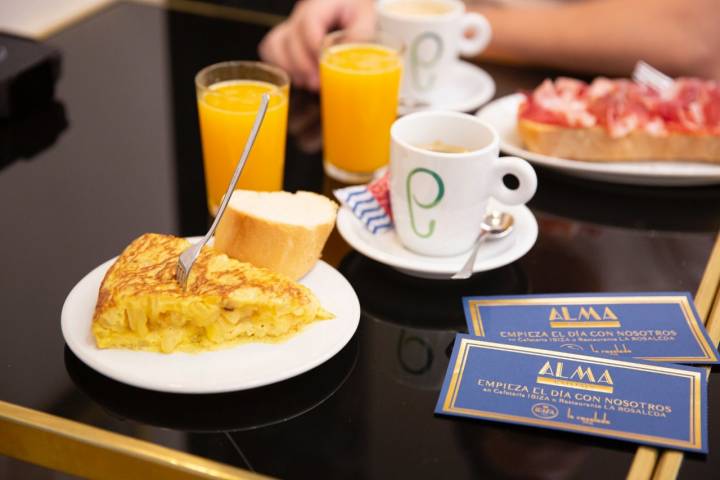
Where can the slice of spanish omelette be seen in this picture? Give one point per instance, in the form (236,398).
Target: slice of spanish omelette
(141,306)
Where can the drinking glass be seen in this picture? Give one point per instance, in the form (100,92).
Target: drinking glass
(228,96)
(359,87)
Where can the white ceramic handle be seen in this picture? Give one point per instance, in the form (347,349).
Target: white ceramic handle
(522,171)
(482,34)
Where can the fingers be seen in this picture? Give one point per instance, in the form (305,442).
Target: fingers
(311,21)
(302,62)
(361,19)
(281,47)
(287,46)
(311,37)
(272,48)
(294,45)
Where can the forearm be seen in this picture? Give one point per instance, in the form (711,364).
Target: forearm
(609,36)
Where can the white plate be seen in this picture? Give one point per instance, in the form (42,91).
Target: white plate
(469,87)
(502,114)
(238,368)
(386,247)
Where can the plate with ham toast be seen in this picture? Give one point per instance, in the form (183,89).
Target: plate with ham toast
(615,130)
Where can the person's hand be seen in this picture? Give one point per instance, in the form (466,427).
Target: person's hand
(294,45)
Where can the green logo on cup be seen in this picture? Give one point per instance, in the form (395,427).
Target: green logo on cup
(417,64)
(411,199)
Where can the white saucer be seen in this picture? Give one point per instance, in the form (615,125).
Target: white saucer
(502,114)
(469,88)
(241,367)
(386,247)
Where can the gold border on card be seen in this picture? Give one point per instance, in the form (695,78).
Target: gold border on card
(79,449)
(694,432)
(680,300)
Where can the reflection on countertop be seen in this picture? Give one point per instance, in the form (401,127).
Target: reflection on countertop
(233,411)
(394,297)
(421,316)
(682,209)
(24,137)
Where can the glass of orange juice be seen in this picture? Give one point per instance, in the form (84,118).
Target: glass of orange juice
(359,87)
(228,96)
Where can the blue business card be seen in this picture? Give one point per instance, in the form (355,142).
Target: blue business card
(661,327)
(639,402)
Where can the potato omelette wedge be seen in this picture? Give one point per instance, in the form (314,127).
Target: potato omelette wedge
(141,307)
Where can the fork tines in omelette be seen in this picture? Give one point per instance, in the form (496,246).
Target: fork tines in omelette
(141,306)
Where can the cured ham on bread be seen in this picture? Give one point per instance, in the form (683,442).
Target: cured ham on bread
(619,120)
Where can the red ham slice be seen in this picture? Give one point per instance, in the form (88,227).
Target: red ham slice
(621,106)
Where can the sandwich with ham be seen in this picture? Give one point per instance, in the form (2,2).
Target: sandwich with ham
(617,120)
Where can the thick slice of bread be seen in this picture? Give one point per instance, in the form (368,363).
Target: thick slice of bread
(594,144)
(281,231)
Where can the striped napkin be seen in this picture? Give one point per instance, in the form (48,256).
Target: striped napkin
(369,203)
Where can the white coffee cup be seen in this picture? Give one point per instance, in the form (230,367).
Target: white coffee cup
(439,199)
(433,32)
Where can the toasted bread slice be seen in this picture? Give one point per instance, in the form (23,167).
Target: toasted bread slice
(281,231)
(141,306)
(594,144)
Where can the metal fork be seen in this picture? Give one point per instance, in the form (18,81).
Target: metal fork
(189,255)
(649,76)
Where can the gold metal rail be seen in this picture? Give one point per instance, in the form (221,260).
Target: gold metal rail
(79,449)
(649,463)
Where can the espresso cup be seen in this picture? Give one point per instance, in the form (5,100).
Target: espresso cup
(433,32)
(439,199)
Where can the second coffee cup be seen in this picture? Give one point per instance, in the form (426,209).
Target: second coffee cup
(433,32)
(444,166)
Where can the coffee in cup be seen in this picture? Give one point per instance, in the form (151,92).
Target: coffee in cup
(419,7)
(442,147)
(439,198)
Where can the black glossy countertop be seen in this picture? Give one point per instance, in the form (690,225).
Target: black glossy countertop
(118,154)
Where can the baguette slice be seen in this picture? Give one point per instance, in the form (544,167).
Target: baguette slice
(595,145)
(281,231)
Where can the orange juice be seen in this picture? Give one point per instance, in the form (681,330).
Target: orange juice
(227,111)
(359,96)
